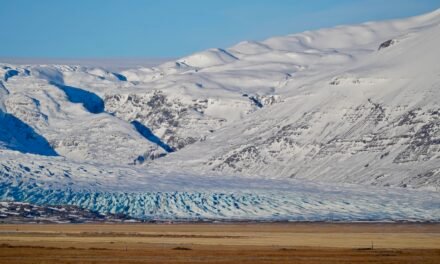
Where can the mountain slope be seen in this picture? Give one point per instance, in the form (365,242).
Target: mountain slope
(375,121)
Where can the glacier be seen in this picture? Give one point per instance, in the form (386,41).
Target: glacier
(338,124)
(147,194)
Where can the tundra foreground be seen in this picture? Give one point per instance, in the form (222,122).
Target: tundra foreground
(221,243)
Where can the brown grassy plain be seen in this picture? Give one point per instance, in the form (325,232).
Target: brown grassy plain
(221,243)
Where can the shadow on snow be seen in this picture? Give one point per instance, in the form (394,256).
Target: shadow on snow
(17,135)
(148,134)
(92,102)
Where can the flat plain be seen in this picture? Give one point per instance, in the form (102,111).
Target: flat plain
(221,243)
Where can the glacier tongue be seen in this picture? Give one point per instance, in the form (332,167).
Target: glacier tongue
(149,194)
(293,205)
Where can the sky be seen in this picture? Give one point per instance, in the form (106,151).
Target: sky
(173,28)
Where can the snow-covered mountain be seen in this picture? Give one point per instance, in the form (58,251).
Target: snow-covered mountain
(332,124)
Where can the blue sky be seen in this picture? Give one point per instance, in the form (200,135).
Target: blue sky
(173,28)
